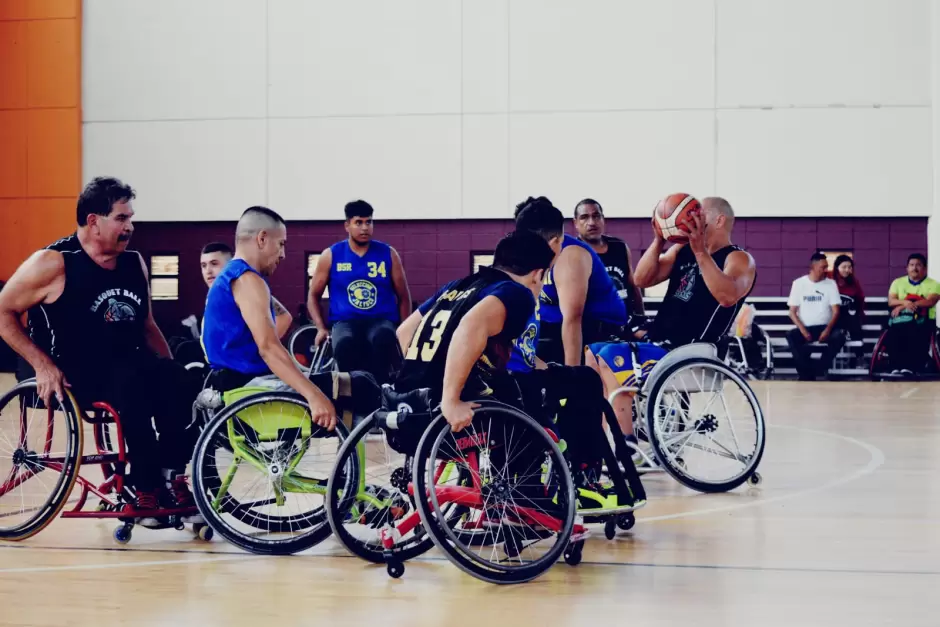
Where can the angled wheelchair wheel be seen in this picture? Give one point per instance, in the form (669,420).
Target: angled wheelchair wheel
(40,450)
(260,470)
(308,357)
(521,494)
(705,425)
(369,506)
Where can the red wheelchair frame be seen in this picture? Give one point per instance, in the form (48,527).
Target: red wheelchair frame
(116,497)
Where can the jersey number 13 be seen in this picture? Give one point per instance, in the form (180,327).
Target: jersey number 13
(426,350)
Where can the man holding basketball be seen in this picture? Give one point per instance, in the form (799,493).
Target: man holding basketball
(709,279)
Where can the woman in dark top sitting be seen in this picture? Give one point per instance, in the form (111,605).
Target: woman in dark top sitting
(852,312)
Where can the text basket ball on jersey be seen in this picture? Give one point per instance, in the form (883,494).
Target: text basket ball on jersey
(672,216)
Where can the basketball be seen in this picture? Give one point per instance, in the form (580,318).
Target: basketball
(671,218)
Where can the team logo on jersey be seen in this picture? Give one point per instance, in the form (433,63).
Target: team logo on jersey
(119,312)
(526,344)
(618,361)
(687,283)
(362,294)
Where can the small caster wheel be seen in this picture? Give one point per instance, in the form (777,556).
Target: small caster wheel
(123,534)
(203,532)
(395,569)
(610,529)
(573,553)
(755,479)
(626,521)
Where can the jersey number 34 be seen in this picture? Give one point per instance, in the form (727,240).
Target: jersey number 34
(376,269)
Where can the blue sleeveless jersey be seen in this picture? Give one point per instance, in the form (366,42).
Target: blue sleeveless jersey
(522,358)
(603,303)
(361,287)
(226,339)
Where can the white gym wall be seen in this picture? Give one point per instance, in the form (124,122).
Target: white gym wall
(458,109)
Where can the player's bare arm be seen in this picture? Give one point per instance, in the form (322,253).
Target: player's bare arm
(282,318)
(636,296)
(729,284)
(321,276)
(400,283)
(254,300)
(485,320)
(655,265)
(406,330)
(40,279)
(571,274)
(152,333)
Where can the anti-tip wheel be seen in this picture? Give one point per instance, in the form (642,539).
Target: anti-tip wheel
(755,479)
(573,553)
(626,521)
(395,569)
(203,532)
(122,535)
(610,529)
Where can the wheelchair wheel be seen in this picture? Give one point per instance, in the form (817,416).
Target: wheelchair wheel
(260,469)
(520,486)
(310,358)
(705,425)
(40,450)
(367,495)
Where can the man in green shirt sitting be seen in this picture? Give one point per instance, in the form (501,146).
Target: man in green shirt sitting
(913,302)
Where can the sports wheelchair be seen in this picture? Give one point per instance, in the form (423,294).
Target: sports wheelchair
(45,462)
(930,369)
(260,465)
(681,410)
(500,501)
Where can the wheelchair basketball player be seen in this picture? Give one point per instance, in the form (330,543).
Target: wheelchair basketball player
(709,280)
(103,340)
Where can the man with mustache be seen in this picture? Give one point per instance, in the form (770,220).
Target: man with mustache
(104,343)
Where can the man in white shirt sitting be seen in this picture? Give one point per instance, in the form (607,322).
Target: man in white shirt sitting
(814,308)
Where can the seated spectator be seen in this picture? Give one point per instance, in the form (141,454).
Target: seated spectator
(913,302)
(852,311)
(814,308)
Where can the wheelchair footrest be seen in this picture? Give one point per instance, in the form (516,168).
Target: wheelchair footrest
(614,511)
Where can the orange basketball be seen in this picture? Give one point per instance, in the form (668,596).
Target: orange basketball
(671,218)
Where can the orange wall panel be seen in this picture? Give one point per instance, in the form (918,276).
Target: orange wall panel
(13,71)
(13,153)
(52,82)
(52,171)
(40,124)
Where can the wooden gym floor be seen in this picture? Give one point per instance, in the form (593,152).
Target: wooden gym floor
(843,531)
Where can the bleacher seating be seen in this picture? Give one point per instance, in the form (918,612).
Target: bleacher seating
(772,314)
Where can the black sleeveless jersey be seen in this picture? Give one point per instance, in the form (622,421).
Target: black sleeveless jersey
(425,358)
(615,261)
(101,313)
(689,313)
(37,324)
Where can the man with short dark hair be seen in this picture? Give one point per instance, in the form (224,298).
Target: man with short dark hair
(913,301)
(368,296)
(590,224)
(104,341)
(213,259)
(578,304)
(814,308)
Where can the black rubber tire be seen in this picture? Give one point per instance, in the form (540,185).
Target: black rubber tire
(337,506)
(680,472)
(74,443)
(319,528)
(445,539)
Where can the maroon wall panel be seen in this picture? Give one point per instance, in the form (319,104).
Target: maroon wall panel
(436,251)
